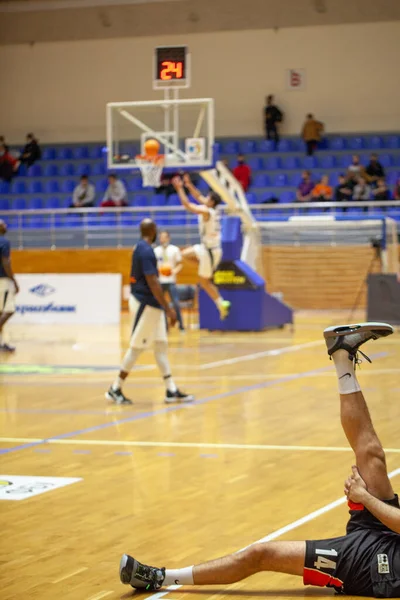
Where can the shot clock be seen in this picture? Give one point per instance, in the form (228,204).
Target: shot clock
(171,67)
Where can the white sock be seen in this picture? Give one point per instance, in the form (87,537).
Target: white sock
(347,379)
(130,358)
(219,301)
(160,354)
(179,576)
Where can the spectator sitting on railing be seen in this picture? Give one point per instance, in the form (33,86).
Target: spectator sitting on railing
(84,194)
(396,192)
(381,192)
(374,170)
(31,152)
(305,187)
(115,194)
(343,190)
(242,172)
(311,133)
(362,191)
(8,164)
(322,192)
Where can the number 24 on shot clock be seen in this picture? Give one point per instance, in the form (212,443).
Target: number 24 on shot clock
(171,67)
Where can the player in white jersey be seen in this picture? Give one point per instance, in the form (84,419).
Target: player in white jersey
(208,253)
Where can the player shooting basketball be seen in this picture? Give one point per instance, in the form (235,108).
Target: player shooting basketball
(208,253)
(364,562)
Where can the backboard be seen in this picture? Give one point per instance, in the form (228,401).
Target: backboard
(183,127)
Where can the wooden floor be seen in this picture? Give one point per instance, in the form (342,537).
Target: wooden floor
(261,448)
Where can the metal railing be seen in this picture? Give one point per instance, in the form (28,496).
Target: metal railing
(119,227)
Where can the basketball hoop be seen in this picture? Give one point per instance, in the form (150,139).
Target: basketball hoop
(151,168)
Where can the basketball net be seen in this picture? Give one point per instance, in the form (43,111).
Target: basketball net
(151,168)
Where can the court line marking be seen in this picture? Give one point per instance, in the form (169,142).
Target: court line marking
(256,355)
(201,445)
(81,570)
(275,534)
(100,595)
(177,407)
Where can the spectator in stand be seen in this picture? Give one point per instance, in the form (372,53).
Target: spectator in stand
(8,164)
(322,192)
(272,116)
(311,133)
(355,168)
(305,188)
(84,194)
(3,143)
(242,172)
(396,192)
(362,190)
(374,170)
(115,194)
(31,152)
(343,190)
(381,191)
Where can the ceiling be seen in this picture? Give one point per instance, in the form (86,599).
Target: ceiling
(34,21)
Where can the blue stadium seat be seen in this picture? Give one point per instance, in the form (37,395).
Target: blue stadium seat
(260,180)
(393,142)
(255,162)
(83,169)
(53,203)
(96,151)
(101,186)
(336,143)
(266,146)
(157,200)
(355,143)
(135,184)
(287,197)
(334,178)
(309,162)
(35,203)
(345,160)
(251,198)
(50,170)
(392,178)
(374,142)
(18,187)
(4,204)
(396,160)
(48,154)
(34,171)
(35,187)
(248,146)
(385,160)
(281,180)
(67,169)
(295,179)
(80,152)
(73,221)
(173,200)
(272,163)
(290,162)
(140,200)
(230,147)
(297,144)
(99,168)
(64,153)
(327,161)
(127,220)
(18,204)
(4,187)
(68,186)
(285,146)
(52,186)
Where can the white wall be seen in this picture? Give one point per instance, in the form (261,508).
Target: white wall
(59,90)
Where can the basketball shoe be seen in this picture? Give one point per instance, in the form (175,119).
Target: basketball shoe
(351,337)
(178,396)
(117,396)
(139,576)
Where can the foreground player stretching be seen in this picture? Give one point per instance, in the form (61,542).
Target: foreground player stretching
(364,562)
(149,309)
(208,253)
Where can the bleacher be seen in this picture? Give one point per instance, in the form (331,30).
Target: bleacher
(49,183)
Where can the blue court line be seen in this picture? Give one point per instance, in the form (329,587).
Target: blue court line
(176,407)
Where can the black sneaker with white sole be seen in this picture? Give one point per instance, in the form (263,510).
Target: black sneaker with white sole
(351,337)
(139,576)
(7,348)
(178,396)
(117,396)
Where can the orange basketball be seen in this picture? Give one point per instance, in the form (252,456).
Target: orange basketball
(151,147)
(165,270)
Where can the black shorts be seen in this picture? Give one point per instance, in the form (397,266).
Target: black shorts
(364,562)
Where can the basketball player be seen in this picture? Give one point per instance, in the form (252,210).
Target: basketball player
(364,562)
(169,261)
(208,253)
(149,307)
(8,287)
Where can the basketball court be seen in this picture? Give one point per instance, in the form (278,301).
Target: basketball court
(260,450)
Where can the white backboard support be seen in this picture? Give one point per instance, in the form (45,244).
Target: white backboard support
(183,127)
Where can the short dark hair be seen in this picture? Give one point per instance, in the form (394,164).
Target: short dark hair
(30,135)
(216,198)
(310,116)
(114,175)
(84,176)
